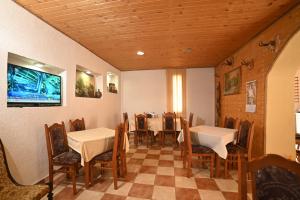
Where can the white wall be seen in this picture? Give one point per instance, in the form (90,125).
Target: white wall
(22,129)
(200,90)
(145,91)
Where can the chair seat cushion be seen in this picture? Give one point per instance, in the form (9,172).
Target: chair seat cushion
(201,149)
(234,149)
(67,158)
(30,192)
(106,156)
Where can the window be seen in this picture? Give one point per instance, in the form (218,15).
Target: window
(177,93)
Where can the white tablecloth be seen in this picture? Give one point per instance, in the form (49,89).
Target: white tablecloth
(92,142)
(214,137)
(155,124)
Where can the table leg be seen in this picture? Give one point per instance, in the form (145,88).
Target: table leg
(87,174)
(218,160)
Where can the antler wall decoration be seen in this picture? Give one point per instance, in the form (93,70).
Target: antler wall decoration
(248,63)
(229,61)
(272,44)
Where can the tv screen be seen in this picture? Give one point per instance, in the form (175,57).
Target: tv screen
(27,87)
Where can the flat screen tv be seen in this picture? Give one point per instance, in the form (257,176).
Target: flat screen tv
(29,88)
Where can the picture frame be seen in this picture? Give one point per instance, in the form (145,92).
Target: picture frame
(232,82)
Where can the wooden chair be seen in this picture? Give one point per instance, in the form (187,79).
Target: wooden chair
(59,154)
(198,151)
(243,145)
(191,116)
(141,129)
(77,125)
(11,189)
(230,122)
(169,126)
(112,159)
(126,119)
(273,177)
(191,119)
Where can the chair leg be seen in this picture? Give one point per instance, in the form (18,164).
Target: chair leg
(114,173)
(135,138)
(189,167)
(212,161)
(73,174)
(50,193)
(51,175)
(226,167)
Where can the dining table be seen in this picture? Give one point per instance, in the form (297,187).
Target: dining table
(90,143)
(213,137)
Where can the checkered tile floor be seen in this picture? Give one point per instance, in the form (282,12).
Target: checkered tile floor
(153,173)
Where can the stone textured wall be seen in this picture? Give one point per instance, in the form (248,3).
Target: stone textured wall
(234,105)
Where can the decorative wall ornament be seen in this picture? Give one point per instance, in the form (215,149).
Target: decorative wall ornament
(272,44)
(229,61)
(249,63)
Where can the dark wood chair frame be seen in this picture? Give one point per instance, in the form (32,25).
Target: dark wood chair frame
(191,116)
(232,158)
(50,186)
(188,152)
(140,132)
(227,120)
(117,161)
(75,122)
(69,169)
(172,131)
(251,167)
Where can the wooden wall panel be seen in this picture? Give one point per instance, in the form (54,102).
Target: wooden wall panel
(164,29)
(234,105)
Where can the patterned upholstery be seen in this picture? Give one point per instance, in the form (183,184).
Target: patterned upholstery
(57,140)
(10,190)
(201,149)
(67,158)
(245,127)
(275,183)
(30,192)
(141,122)
(78,125)
(229,123)
(169,125)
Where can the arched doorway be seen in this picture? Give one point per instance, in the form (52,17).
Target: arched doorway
(280,110)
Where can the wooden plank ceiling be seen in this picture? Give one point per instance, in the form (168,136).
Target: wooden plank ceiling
(172,33)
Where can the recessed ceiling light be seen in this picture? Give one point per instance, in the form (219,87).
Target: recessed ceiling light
(140,53)
(88,72)
(39,65)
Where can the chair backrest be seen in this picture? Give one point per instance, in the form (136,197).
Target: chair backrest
(56,139)
(77,125)
(141,122)
(169,121)
(245,135)
(230,122)
(119,140)
(273,177)
(187,138)
(191,119)
(6,178)
(125,119)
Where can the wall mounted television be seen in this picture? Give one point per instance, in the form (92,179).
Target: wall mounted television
(31,88)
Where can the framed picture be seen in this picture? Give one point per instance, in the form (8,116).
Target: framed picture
(251,96)
(232,81)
